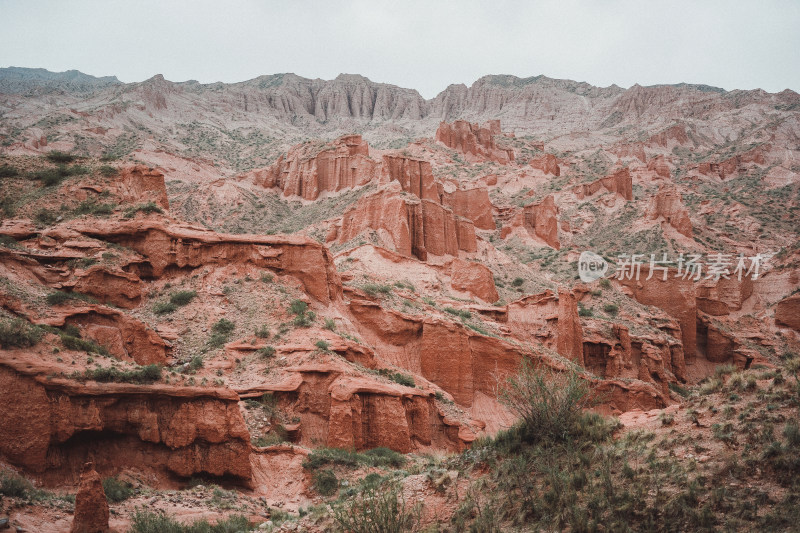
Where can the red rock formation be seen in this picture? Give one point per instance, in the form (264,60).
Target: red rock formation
(473,204)
(472,140)
(539,220)
(619,182)
(51,425)
(787,312)
(659,166)
(667,203)
(631,150)
(733,165)
(139,184)
(124,336)
(570,332)
(409,226)
(474,278)
(345,411)
(414,175)
(166,246)
(675,296)
(547,164)
(676,134)
(723,296)
(542,219)
(307,172)
(115,286)
(91,507)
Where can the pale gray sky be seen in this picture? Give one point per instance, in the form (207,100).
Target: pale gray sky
(424,45)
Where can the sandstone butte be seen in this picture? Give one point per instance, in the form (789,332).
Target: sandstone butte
(444,265)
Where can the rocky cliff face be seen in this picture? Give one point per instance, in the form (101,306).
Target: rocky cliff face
(55,425)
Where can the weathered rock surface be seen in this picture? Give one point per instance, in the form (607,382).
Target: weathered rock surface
(140,184)
(787,312)
(302,172)
(473,140)
(539,220)
(668,204)
(547,164)
(675,296)
(91,507)
(166,245)
(53,425)
(473,204)
(619,182)
(409,226)
(414,175)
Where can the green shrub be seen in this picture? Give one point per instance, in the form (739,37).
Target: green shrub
(7,171)
(267,277)
(605,283)
(517,282)
(267,352)
(18,333)
(82,345)
(397,377)
(330,324)
(163,308)
(195,363)
(182,298)
(146,521)
(298,307)
(223,326)
(375,288)
(322,345)
(217,340)
(320,457)
(143,374)
(116,490)
(147,208)
(325,482)
(9,241)
(549,403)
(14,486)
(611,309)
(262,332)
(44,217)
(377,509)
(92,207)
(60,157)
(584,311)
(461,313)
(108,171)
(304,320)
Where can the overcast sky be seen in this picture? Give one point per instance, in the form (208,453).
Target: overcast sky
(418,44)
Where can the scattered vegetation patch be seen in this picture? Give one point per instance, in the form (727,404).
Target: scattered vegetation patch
(19,333)
(398,377)
(373,289)
(116,490)
(383,457)
(144,374)
(146,521)
(146,208)
(182,298)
